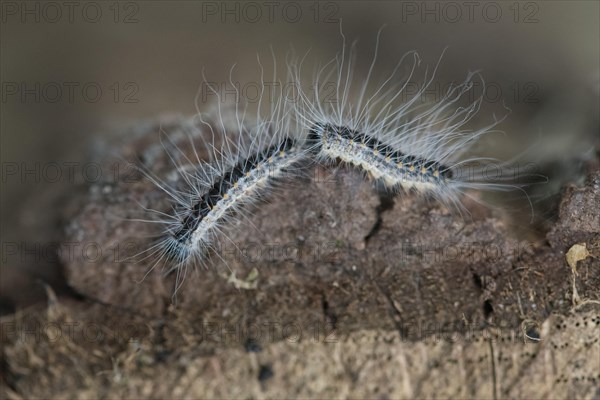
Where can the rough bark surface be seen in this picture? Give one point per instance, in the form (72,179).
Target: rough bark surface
(327,289)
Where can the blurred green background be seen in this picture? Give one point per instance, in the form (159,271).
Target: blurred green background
(147,58)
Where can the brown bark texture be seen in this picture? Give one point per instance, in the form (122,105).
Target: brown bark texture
(325,288)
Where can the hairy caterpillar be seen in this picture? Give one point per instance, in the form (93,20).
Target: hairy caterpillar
(402,143)
(381,161)
(247,155)
(396,137)
(233,187)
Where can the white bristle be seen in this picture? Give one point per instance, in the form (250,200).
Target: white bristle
(402,143)
(247,156)
(398,138)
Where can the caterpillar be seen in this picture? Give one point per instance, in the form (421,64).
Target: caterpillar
(396,137)
(405,144)
(246,156)
(379,160)
(233,187)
